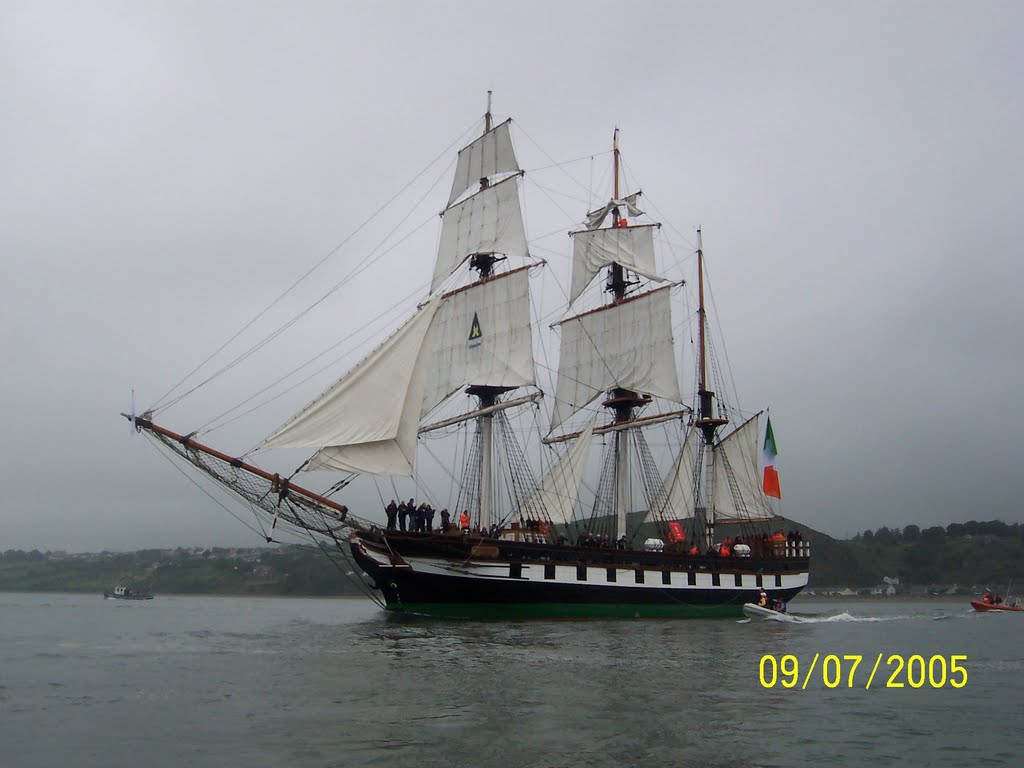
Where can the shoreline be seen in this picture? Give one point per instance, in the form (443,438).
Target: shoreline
(77,592)
(886,599)
(802,597)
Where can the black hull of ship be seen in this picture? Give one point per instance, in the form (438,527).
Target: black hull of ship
(471,577)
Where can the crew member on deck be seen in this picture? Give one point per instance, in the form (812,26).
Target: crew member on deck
(445,520)
(464,521)
(778,541)
(403,513)
(392,513)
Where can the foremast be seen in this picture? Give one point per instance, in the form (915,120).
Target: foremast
(475,338)
(487,395)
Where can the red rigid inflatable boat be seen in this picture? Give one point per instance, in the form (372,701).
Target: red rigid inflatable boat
(978,605)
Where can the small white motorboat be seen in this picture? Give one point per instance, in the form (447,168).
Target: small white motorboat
(755,611)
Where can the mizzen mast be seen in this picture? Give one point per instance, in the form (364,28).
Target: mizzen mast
(707,422)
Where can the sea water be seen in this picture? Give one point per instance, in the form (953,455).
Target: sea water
(225,681)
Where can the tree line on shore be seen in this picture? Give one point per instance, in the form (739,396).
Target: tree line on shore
(970,553)
(282,570)
(912,533)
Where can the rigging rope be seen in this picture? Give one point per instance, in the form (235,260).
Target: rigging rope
(156,406)
(207,428)
(359,583)
(261,497)
(366,264)
(261,533)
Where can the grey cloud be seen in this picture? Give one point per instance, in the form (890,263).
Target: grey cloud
(170,168)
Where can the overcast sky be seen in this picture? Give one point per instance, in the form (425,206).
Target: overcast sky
(168,169)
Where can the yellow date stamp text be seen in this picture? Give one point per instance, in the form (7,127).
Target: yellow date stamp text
(847,671)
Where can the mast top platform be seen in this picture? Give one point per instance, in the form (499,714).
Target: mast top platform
(710,422)
(485,391)
(624,398)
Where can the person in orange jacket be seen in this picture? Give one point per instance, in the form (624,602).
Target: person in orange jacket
(464,521)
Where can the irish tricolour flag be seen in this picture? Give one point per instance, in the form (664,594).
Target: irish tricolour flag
(770,483)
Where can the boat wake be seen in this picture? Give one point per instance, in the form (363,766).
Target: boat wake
(789,618)
(844,616)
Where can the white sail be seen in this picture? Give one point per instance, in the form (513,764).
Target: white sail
(490,154)
(383,457)
(628,204)
(367,421)
(626,345)
(488,222)
(632,247)
(736,486)
(675,499)
(481,336)
(557,494)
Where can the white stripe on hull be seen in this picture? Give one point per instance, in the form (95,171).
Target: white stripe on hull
(596,575)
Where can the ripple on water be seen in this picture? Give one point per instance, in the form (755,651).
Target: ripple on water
(345,684)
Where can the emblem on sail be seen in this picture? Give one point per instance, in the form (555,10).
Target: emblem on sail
(474,332)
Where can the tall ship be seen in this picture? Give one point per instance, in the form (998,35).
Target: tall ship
(574,510)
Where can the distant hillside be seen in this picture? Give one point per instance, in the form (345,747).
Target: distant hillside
(267,571)
(972,553)
(969,553)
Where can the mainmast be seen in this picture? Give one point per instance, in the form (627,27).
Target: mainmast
(620,401)
(707,422)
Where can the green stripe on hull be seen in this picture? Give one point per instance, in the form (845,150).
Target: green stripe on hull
(566,611)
